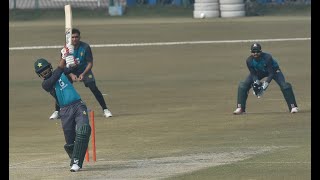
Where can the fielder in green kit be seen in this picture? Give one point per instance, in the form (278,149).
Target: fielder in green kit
(262,65)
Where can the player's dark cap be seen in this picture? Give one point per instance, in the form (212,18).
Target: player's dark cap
(255,48)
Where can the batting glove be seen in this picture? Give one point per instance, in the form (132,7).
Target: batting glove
(66,51)
(71,61)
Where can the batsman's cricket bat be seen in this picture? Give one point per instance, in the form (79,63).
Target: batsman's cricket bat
(68,23)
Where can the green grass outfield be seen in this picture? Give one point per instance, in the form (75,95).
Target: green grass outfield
(172,104)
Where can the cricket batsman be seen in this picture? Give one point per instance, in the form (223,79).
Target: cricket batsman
(73,111)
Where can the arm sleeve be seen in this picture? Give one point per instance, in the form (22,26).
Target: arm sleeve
(253,73)
(53,94)
(48,84)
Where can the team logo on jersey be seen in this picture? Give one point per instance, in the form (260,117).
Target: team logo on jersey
(84,113)
(62,84)
(90,76)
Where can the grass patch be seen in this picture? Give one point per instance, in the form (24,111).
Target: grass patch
(159,11)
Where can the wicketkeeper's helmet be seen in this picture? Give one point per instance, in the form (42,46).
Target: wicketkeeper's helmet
(255,47)
(43,68)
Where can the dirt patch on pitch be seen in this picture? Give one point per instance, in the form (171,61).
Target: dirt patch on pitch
(155,168)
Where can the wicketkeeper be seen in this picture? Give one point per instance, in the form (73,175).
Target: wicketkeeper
(73,111)
(263,65)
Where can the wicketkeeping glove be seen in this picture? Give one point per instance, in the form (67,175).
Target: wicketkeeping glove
(265,85)
(257,88)
(66,51)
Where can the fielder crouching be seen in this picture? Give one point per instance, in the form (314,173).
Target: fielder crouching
(73,111)
(263,65)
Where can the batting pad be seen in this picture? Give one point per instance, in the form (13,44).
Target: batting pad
(288,95)
(69,149)
(243,94)
(81,144)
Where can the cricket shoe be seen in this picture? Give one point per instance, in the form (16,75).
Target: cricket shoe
(55,115)
(239,111)
(294,110)
(75,168)
(107,113)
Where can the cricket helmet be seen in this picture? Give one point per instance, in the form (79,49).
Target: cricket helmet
(255,47)
(43,68)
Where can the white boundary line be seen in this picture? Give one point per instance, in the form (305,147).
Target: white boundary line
(164,43)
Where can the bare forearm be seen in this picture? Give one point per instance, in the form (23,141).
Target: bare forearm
(88,68)
(62,63)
